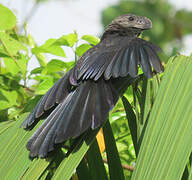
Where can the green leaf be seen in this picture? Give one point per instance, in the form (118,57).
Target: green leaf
(190,173)
(80,50)
(67,40)
(44,86)
(37,70)
(70,163)
(29,106)
(10,45)
(114,163)
(41,59)
(49,47)
(145,101)
(12,149)
(8,19)
(15,163)
(95,162)
(8,99)
(36,169)
(5,125)
(55,65)
(11,66)
(83,171)
(3,52)
(155,86)
(22,62)
(91,39)
(167,144)
(131,121)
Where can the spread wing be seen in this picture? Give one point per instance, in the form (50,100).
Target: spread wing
(118,59)
(80,103)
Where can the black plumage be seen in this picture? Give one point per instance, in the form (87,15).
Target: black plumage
(83,97)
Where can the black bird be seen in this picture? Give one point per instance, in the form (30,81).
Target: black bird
(83,97)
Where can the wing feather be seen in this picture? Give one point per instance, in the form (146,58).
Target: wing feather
(82,99)
(108,71)
(133,62)
(120,57)
(154,59)
(117,65)
(86,107)
(54,96)
(144,63)
(124,66)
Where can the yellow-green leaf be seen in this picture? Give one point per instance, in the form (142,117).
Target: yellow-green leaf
(167,144)
(10,45)
(91,39)
(7,18)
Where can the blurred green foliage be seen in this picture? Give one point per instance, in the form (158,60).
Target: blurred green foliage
(21,88)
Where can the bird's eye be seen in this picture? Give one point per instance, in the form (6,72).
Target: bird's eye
(131,18)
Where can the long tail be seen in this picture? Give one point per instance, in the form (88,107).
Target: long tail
(85,107)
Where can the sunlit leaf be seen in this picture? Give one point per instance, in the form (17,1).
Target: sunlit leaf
(44,86)
(41,58)
(167,144)
(83,171)
(5,125)
(8,99)
(10,45)
(91,39)
(95,162)
(114,163)
(15,162)
(67,40)
(22,62)
(70,163)
(55,65)
(37,70)
(131,121)
(8,19)
(11,66)
(80,50)
(49,47)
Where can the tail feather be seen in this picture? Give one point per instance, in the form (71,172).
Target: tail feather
(42,140)
(86,107)
(53,97)
(69,118)
(38,137)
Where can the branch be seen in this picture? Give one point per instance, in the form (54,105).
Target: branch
(124,166)
(28,89)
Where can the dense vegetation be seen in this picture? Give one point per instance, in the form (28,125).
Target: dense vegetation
(149,134)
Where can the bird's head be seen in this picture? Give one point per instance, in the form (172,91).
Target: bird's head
(128,25)
(132,21)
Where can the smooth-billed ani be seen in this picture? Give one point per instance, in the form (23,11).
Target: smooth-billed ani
(83,97)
